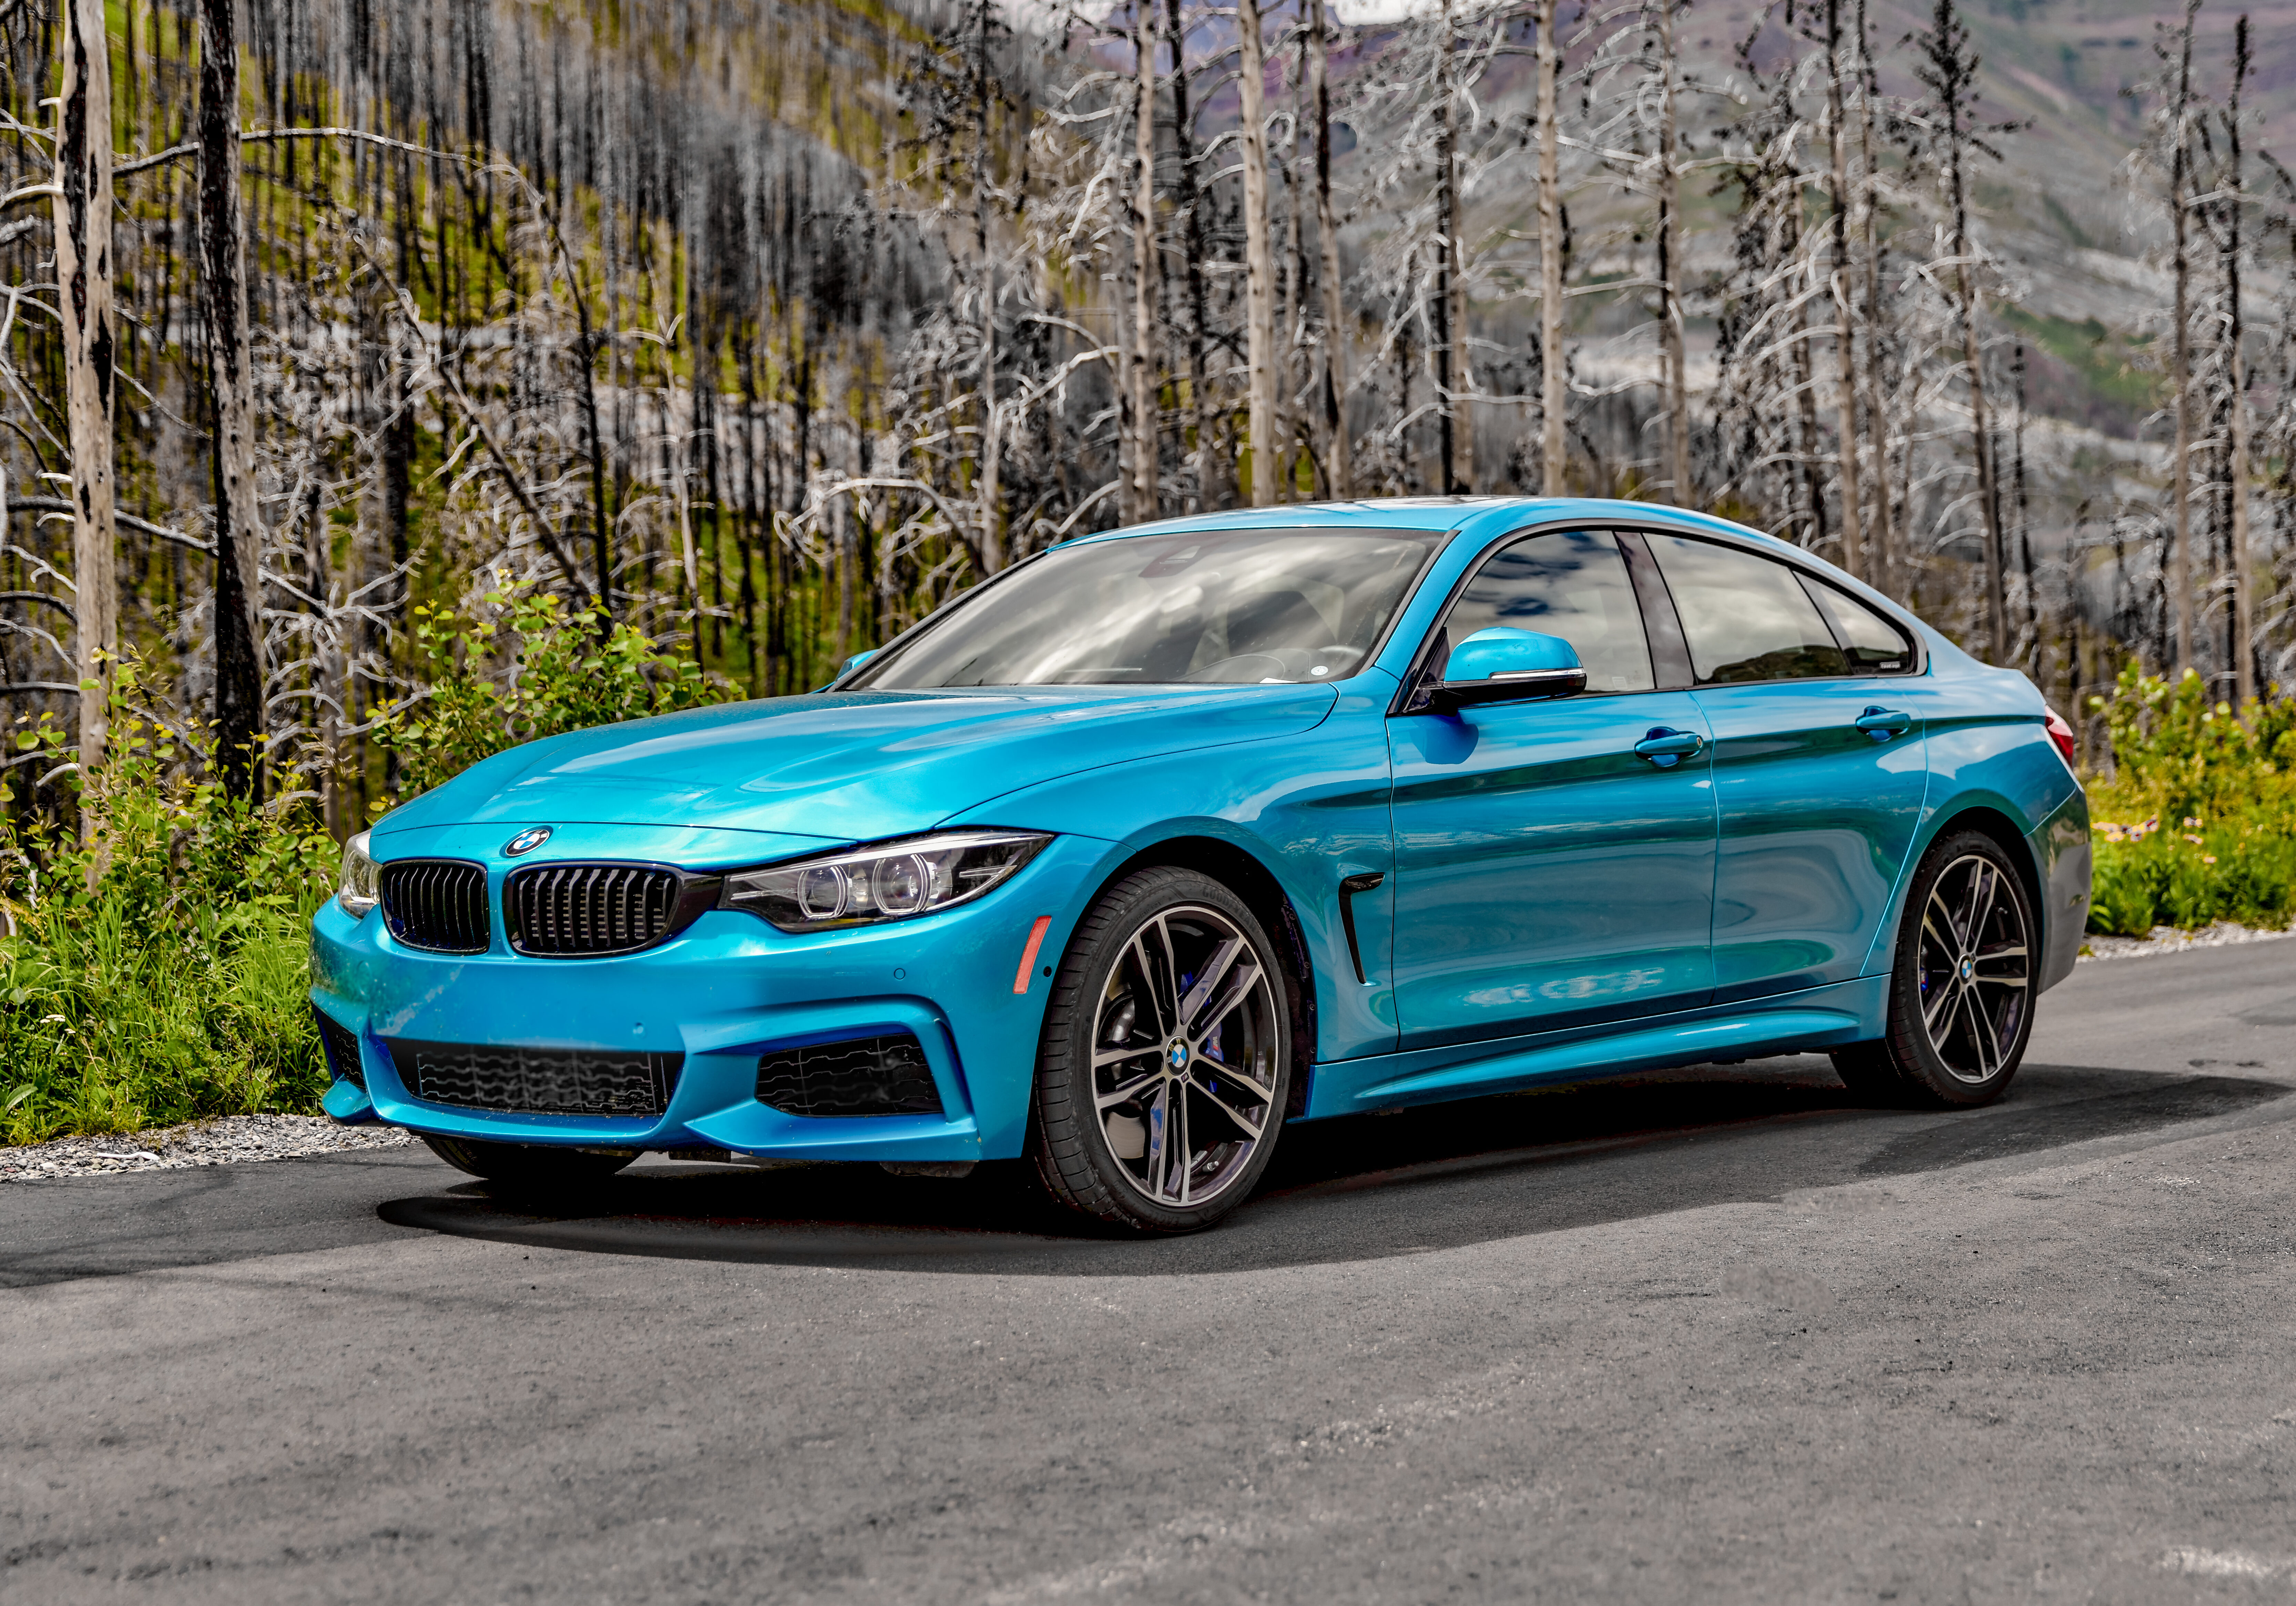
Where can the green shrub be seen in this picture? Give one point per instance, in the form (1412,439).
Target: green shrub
(159,970)
(566,671)
(155,971)
(2198,821)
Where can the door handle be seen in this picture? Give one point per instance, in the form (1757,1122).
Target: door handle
(1881,723)
(1667,748)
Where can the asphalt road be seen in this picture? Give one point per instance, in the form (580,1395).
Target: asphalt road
(1706,1337)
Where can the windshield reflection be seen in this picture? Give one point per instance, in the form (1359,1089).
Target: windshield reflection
(1226,607)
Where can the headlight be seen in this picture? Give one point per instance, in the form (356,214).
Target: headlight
(892,881)
(355,889)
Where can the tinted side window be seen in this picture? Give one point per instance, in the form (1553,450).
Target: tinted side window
(1875,644)
(1746,618)
(1570,583)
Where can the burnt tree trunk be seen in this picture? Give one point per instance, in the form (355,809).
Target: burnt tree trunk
(1258,260)
(238,515)
(84,268)
(1336,471)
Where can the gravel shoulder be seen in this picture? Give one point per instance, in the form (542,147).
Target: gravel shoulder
(226,1140)
(2169,939)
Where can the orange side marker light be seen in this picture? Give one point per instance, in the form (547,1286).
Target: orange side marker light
(1029,953)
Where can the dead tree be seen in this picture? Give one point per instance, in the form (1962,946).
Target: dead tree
(1948,67)
(1339,479)
(1854,556)
(2179,568)
(1554,370)
(83,271)
(1670,264)
(1259,258)
(2243,620)
(1140,500)
(238,516)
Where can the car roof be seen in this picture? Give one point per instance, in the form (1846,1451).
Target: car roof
(1437,513)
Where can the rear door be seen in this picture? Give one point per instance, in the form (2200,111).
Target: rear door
(1819,768)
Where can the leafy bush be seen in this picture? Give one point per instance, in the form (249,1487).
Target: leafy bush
(155,971)
(568,671)
(2226,784)
(158,971)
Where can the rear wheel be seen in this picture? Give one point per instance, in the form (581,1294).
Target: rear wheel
(1165,1060)
(1961,986)
(527,1167)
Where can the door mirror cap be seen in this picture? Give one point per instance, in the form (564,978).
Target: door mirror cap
(1501,665)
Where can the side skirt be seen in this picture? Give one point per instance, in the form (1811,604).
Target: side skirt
(1819,1018)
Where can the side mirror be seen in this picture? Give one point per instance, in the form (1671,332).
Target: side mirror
(1500,665)
(848,666)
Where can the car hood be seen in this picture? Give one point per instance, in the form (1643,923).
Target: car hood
(849,767)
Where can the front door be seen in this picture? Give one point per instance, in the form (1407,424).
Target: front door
(1819,768)
(1548,873)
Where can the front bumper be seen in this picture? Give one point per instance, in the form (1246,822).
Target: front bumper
(723,992)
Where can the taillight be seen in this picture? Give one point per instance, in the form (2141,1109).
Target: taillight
(2060,733)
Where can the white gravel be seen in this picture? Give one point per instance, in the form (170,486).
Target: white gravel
(2168,939)
(226,1141)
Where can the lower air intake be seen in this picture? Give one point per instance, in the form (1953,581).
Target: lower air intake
(861,1076)
(342,1049)
(536,1081)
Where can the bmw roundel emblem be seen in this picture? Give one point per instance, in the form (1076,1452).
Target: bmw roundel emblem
(527,840)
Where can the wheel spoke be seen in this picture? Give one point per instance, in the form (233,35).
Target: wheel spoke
(1117,1096)
(1160,1124)
(1117,1056)
(1215,972)
(1244,1079)
(1980,1035)
(2015,981)
(1247,977)
(1984,887)
(1150,996)
(1947,944)
(1167,998)
(1177,1146)
(1941,1005)
(1249,1127)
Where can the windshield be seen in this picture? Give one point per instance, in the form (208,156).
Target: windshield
(1239,607)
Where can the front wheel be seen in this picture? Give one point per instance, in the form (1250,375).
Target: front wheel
(527,1167)
(1961,985)
(1165,1060)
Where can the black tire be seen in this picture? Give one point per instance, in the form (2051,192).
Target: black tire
(527,1167)
(1227,1085)
(1961,1001)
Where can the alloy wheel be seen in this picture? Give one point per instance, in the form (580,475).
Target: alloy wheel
(1976,969)
(1183,1057)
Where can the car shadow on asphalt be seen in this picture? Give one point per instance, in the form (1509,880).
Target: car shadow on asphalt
(1364,1186)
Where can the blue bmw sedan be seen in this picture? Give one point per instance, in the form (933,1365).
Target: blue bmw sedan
(1170,836)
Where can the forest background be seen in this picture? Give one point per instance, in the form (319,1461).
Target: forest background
(382,385)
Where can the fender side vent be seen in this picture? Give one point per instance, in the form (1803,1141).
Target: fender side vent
(861,1076)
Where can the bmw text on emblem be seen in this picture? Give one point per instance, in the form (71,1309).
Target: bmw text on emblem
(527,840)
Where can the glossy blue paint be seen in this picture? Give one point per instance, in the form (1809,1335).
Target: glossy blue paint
(1815,820)
(1816,1018)
(1546,873)
(1499,651)
(1568,887)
